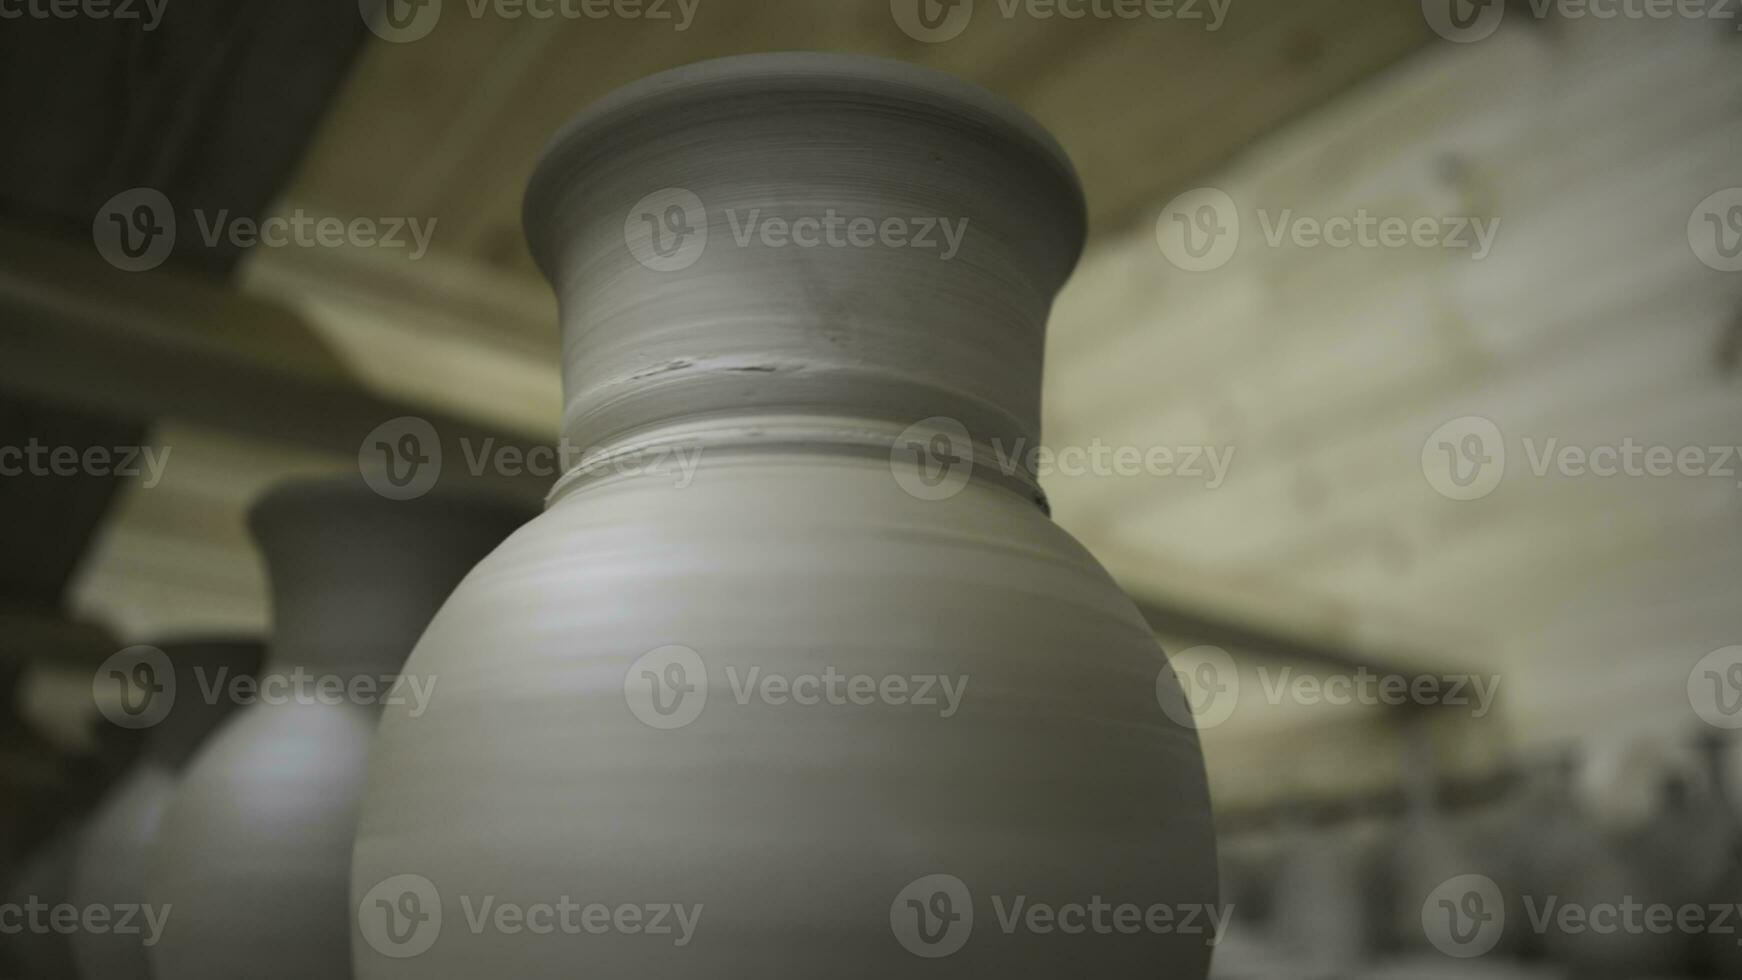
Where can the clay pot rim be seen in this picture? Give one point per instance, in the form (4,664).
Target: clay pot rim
(808,72)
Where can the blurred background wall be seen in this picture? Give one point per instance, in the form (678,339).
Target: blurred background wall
(1404,357)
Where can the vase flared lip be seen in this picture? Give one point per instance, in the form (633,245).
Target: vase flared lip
(809,72)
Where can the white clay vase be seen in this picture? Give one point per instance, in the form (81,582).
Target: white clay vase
(109,872)
(253,857)
(713,679)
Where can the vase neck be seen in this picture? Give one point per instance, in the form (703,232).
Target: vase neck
(355,577)
(803,237)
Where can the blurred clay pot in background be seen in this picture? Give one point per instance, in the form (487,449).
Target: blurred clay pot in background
(254,854)
(724,688)
(169,692)
(1619,837)
(1722,952)
(46,878)
(1325,919)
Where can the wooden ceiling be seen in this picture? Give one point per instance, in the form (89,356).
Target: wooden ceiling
(450,125)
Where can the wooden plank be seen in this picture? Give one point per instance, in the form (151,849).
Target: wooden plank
(168,346)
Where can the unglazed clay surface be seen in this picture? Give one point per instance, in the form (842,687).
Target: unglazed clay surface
(110,872)
(816,706)
(253,858)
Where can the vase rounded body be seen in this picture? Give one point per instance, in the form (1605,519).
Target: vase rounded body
(109,874)
(254,860)
(43,881)
(810,701)
(110,871)
(253,856)
(993,719)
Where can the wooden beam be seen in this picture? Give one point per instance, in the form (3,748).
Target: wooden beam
(166,345)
